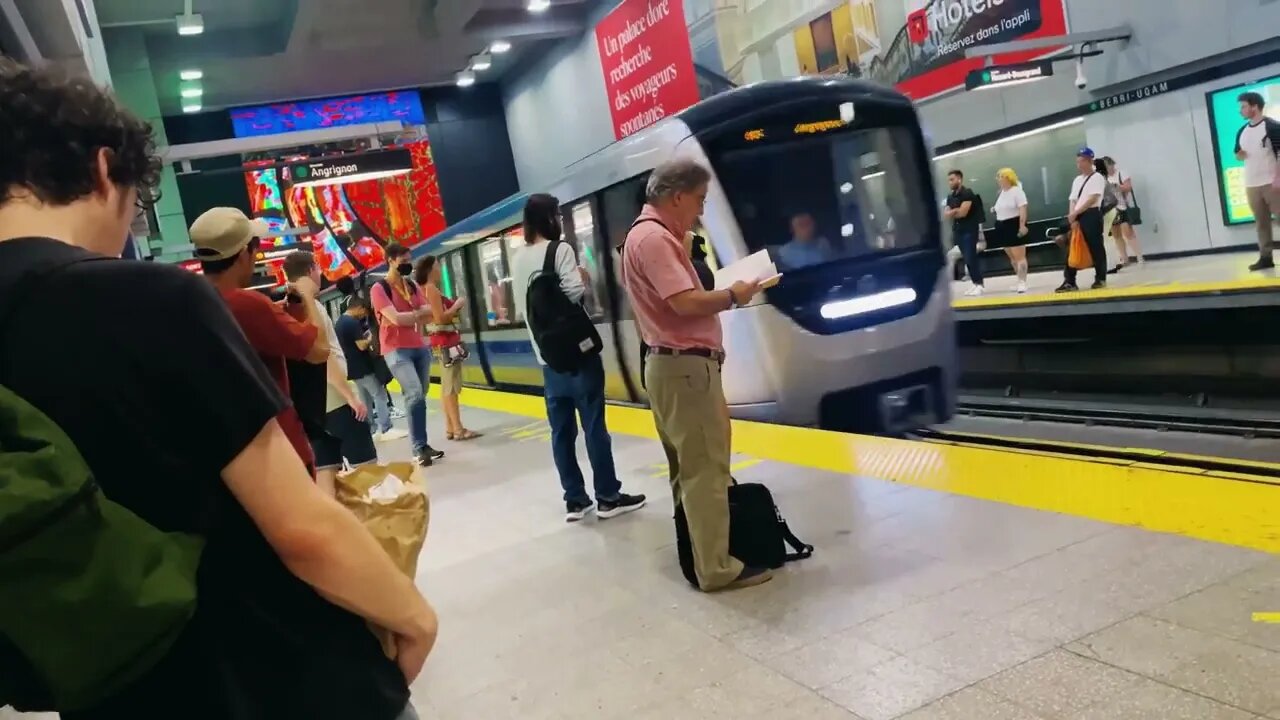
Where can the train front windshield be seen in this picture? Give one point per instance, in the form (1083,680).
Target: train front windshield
(818,191)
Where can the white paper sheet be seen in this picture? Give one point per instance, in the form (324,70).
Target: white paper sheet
(754,267)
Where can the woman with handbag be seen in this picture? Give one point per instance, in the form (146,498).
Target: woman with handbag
(1128,214)
(447,344)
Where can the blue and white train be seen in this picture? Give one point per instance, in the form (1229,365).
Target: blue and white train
(861,339)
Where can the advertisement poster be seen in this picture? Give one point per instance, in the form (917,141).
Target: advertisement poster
(924,56)
(647,63)
(1225,121)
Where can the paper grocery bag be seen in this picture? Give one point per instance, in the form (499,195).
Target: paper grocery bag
(392,502)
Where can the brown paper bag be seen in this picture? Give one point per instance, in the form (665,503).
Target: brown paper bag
(397,516)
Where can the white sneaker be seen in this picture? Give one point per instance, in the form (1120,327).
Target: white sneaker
(1021,286)
(392,434)
(974,291)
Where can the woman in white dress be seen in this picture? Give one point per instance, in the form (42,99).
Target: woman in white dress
(1011,223)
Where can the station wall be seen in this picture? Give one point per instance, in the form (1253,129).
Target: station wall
(558,112)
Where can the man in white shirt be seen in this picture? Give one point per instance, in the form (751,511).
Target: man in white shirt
(1257,144)
(1085,210)
(345,433)
(569,396)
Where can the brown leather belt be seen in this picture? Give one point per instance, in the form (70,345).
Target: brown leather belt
(716,355)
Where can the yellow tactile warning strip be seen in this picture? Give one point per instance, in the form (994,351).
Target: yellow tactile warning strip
(1136,292)
(1144,495)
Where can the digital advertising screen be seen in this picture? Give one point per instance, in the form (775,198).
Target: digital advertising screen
(404,106)
(1225,123)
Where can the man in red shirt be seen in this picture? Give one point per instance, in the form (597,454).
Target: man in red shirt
(227,245)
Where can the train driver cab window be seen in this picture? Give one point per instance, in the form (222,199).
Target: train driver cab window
(454,281)
(497,283)
(818,196)
(579,225)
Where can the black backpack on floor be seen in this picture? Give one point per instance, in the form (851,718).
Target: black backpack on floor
(758,536)
(565,334)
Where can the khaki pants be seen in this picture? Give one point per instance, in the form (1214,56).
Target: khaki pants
(1264,201)
(693,423)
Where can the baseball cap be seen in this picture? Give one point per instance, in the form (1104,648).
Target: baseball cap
(1085,152)
(222,232)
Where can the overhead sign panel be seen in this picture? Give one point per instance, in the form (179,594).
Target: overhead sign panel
(997,76)
(351,168)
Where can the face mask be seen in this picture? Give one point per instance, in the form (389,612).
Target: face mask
(405,269)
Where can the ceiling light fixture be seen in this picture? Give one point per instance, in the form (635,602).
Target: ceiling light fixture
(191,92)
(483,61)
(191,108)
(193,24)
(537,6)
(497,47)
(466,78)
(191,74)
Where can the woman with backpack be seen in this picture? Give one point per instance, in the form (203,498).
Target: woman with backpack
(446,343)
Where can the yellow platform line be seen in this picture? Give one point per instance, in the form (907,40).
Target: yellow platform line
(1121,293)
(1154,497)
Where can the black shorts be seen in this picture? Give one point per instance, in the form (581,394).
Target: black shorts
(1007,233)
(1122,217)
(344,437)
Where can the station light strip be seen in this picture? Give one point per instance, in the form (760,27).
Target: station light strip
(1011,138)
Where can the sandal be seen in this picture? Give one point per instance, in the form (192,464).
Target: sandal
(466,435)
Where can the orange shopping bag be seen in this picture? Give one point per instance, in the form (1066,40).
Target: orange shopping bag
(1078,256)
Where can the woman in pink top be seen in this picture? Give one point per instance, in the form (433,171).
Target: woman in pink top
(446,341)
(401,310)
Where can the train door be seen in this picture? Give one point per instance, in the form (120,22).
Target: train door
(619,206)
(453,277)
(581,230)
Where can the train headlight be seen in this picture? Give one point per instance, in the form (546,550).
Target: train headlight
(868,303)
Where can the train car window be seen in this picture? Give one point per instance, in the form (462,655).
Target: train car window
(455,285)
(496,276)
(622,204)
(815,197)
(579,223)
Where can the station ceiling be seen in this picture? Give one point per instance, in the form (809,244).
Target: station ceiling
(261,51)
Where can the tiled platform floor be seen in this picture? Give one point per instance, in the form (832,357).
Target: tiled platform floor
(1199,269)
(917,605)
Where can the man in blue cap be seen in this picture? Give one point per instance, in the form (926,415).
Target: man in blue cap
(1085,211)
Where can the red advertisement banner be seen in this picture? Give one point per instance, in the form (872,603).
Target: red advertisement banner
(647,63)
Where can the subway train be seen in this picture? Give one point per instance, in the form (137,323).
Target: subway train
(858,335)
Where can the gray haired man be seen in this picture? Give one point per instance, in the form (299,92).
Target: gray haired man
(679,324)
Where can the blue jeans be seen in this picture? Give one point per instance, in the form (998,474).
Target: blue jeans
(968,243)
(582,394)
(374,396)
(412,369)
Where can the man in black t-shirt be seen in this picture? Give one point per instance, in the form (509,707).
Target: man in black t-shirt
(964,209)
(265,642)
(355,338)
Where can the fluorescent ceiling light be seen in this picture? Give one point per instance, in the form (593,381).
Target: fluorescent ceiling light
(191,74)
(190,24)
(191,108)
(868,303)
(483,61)
(1011,83)
(192,92)
(1019,136)
(499,46)
(466,78)
(537,6)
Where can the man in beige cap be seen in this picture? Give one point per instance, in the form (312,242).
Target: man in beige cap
(227,246)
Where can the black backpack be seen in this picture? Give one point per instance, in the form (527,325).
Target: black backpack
(978,210)
(565,335)
(758,536)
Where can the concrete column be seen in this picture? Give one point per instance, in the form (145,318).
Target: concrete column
(135,85)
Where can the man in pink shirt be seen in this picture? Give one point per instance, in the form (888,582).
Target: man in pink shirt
(677,320)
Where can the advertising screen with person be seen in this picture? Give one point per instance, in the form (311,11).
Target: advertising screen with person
(1225,122)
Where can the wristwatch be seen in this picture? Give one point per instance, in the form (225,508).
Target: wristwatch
(733,299)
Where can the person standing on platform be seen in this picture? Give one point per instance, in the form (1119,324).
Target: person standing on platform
(1011,223)
(446,342)
(226,244)
(343,433)
(280,629)
(1084,210)
(1122,229)
(1258,145)
(571,397)
(401,311)
(354,337)
(678,321)
(963,211)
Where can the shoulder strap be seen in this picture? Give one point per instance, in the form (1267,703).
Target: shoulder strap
(803,550)
(549,260)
